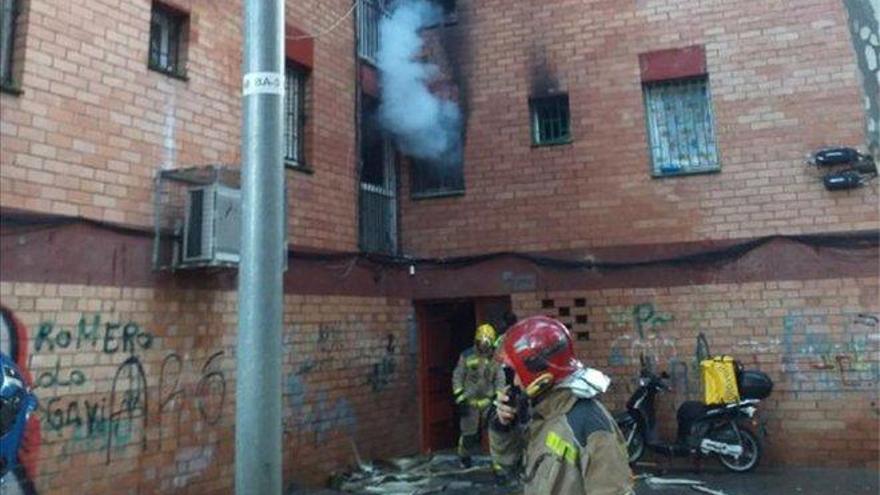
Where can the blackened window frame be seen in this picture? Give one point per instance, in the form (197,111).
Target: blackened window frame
(295,112)
(168,25)
(550,120)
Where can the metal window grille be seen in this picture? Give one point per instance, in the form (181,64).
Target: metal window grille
(378,186)
(294,114)
(378,208)
(550,120)
(166,38)
(370,13)
(681,127)
(8,13)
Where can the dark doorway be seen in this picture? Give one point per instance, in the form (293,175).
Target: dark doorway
(447,328)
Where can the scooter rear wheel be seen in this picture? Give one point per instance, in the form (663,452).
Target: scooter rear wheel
(751,454)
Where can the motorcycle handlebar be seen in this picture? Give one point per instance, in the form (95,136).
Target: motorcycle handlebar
(659,380)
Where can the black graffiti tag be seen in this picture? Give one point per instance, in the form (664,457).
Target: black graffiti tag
(128,403)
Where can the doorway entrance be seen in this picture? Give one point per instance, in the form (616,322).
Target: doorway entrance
(447,328)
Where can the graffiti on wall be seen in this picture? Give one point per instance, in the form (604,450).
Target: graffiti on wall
(817,355)
(189,463)
(382,371)
(820,352)
(109,337)
(79,420)
(328,346)
(207,396)
(102,422)
(648,343)
(312,410)
(314,414)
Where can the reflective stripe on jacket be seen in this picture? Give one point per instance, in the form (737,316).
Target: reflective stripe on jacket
(476,378)
(570,446)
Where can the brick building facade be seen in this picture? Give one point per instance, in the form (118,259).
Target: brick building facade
(134,368)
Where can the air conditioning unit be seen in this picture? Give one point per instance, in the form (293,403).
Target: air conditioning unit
(212,227)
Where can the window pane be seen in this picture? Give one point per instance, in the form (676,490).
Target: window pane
(433,178)
(680,126)
(293,114)
(7,38)
(370,13)
(155,41)
(166,48)
(372,144)
(174,25)
(550,119)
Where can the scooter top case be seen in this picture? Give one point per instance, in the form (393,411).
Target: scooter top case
(754,385)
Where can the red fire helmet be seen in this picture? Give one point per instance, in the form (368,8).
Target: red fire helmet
(540,351)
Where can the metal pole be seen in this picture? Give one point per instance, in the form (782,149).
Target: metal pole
(258,362)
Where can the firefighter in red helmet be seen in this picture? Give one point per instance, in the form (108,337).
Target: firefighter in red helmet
(569,444)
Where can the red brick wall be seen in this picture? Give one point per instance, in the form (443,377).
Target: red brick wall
(348,376)
(93,125)
(818,340)
(783,80)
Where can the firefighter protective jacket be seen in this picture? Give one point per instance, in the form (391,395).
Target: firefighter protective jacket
(570,446)
(476,378)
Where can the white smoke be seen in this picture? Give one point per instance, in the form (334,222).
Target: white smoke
(424,125)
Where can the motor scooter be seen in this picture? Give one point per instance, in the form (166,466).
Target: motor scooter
(703,430)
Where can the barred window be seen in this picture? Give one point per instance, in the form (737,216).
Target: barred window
(550,120)
(378,184)
(294,114)
(681,127)
(370,13)
(168,37)
(8,14)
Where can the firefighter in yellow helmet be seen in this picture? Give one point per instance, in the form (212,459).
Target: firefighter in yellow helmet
(475,381)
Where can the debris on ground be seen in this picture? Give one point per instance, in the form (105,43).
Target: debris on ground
(417,475)
(654,480)
(442,473)
(696,485)
(701,488)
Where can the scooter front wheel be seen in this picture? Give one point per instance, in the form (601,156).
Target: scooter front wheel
(751,452)
(635,441)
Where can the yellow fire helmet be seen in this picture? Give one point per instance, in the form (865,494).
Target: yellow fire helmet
(485,333)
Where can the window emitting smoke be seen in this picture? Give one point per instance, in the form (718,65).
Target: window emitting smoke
(424,125)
